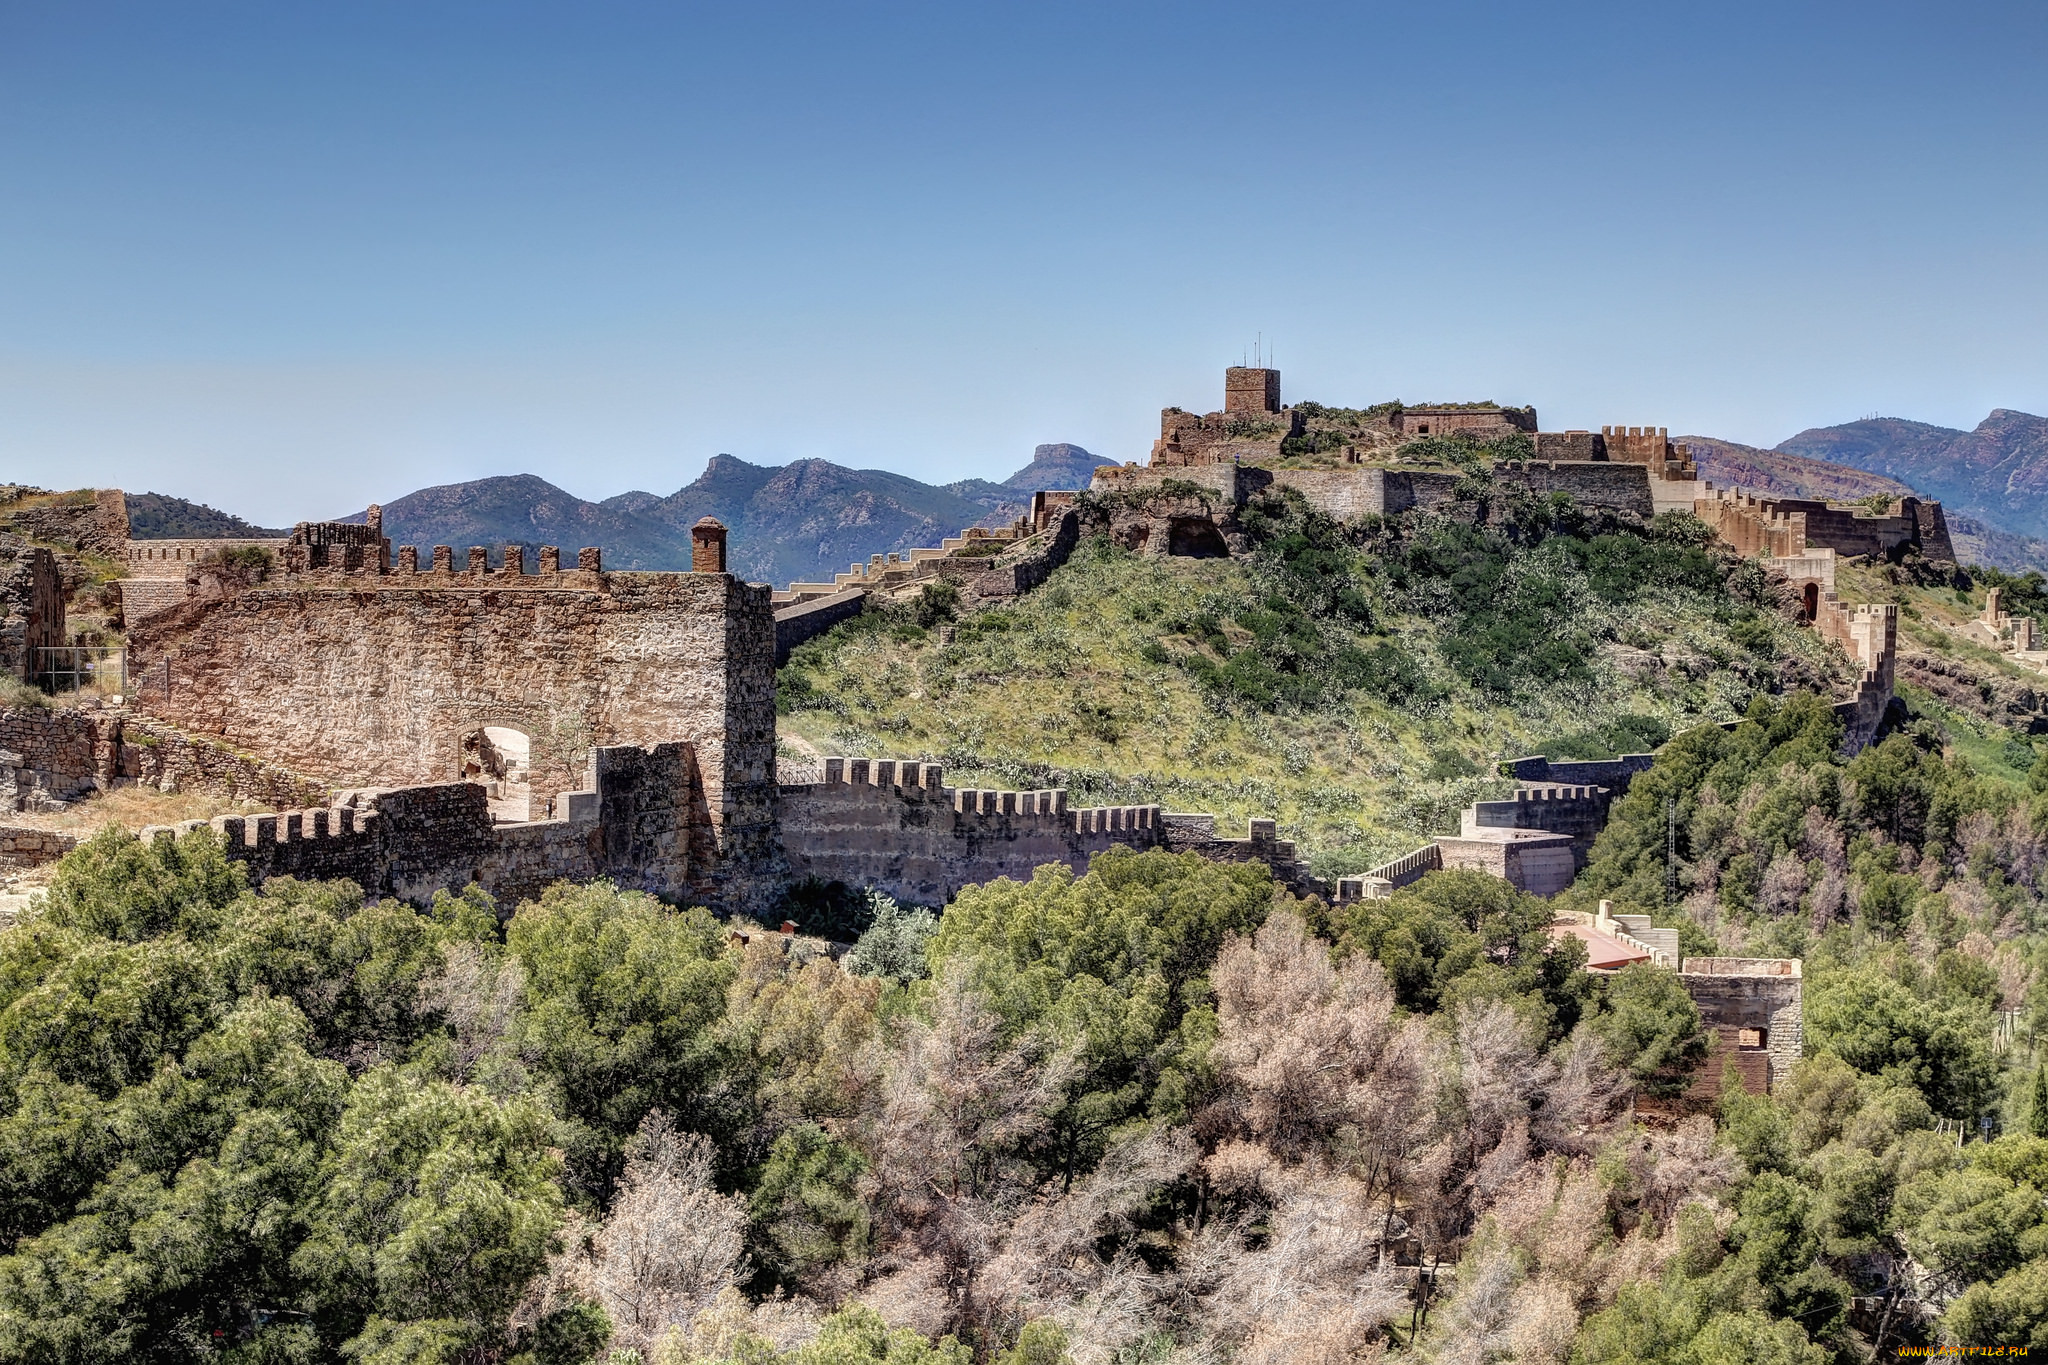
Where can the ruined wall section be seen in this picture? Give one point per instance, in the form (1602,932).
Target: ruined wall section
(1791,527)
(91,520)
(895,825)
(639,823)
(52,756)
(1752,1008)
(31,607)
(369,678)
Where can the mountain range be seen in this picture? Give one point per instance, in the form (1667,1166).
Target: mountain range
(1996,474)
(797,522)
(807,520)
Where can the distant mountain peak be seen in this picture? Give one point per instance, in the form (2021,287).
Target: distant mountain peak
(1059,464)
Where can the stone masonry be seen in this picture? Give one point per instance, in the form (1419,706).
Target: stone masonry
(1752,1009)
(368,672)
(31,606)
(895,825)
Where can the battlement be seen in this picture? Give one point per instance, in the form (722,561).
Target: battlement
(173,559)
(637,821)
(892,823)
(1650,446)
(1792,527)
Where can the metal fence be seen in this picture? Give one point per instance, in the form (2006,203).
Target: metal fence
(82,668)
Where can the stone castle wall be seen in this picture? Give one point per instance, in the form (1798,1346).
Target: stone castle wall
(48,757)
(1579,812)
(1355,492)
(895,825)
(1764,995)
(1788,528)
(1624,487)
(31,607)
(370,677)
(639,822)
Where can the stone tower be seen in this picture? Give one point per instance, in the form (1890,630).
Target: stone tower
(1251,390)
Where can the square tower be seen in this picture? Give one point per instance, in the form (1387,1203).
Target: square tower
(1251,390)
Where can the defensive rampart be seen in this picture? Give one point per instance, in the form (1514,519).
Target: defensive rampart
(1357,491)
(371,675)
(638,821)
(1784,528)
(895,825)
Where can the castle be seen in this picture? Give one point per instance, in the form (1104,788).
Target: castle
(424,720)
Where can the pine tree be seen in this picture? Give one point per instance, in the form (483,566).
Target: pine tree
(2037,1121)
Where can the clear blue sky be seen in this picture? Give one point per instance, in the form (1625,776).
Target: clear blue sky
(289,258)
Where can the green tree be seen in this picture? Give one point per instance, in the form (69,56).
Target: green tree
(1462,935)
(1112,964)
(1881,1027)
(436,1205)
(1651,1026)
(623,999)
(1970,1225)
(2011,1311)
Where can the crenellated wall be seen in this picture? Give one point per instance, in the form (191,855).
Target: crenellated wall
(1782,528)
(365,674)
(640,822)
(895,825)
(1579,812)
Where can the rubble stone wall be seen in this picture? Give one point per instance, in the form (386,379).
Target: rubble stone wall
(1749,993)
(896,826)
(92,520)
(641,824)
(31,607)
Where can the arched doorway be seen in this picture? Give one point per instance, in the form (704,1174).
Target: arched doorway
(1810,602)
(501,760)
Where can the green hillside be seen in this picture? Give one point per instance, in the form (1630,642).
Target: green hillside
(1358,681)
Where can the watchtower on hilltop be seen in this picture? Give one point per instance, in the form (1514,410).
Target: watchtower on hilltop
(1247,389)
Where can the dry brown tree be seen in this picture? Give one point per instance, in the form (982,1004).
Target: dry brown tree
(958,1105)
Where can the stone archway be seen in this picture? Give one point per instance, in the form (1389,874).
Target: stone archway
(500,759)
(1809,603)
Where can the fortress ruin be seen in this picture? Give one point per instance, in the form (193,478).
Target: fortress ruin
(425,718)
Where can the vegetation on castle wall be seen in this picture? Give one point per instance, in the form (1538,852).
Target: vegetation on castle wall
(1360,681)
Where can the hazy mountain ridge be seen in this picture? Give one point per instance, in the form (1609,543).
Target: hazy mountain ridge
(803,521)
(1996,473)
(1730,464)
